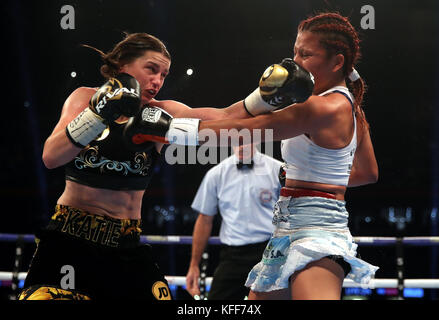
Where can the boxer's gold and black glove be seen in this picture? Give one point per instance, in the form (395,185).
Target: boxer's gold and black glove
(281,85)
(118,96)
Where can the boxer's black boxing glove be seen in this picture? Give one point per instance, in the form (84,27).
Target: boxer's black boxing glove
(155,124)
(281,85)
(118,96)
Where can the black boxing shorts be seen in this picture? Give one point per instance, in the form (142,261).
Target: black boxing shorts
(83,256)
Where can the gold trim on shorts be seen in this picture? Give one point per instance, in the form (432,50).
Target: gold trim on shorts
(50,293)
(101,230)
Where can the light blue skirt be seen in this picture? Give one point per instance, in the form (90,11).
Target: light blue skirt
(306,229)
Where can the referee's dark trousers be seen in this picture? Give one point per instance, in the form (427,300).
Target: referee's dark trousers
(234,265)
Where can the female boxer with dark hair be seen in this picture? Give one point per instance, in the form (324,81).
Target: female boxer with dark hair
(327,147)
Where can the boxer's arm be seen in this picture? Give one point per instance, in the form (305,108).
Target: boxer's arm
(181,110)
(153,124)
(281,85)
(58,149)
(364,168)
(200,237)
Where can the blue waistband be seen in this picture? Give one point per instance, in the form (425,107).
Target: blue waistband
(310,212)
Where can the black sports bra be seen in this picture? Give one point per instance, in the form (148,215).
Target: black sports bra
(107,163)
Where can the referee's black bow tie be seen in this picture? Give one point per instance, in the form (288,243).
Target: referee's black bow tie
(241,165)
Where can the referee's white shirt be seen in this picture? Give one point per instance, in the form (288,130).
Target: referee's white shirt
(244,197)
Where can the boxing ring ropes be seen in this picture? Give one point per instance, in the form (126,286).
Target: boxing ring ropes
(399,242)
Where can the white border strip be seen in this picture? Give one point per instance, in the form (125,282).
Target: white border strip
(374,283)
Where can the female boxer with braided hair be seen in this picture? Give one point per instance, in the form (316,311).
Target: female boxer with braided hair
(312,250)
(326,146)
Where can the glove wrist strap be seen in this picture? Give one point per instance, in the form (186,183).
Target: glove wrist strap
(183,131)
(85,128)
(255,105)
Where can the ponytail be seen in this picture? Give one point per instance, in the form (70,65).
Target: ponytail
(358,88)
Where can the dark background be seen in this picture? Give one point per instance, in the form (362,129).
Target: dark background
(228,44)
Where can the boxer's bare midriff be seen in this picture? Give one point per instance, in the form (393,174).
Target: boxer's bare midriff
(111,203)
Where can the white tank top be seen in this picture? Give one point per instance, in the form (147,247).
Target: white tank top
(307,161)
